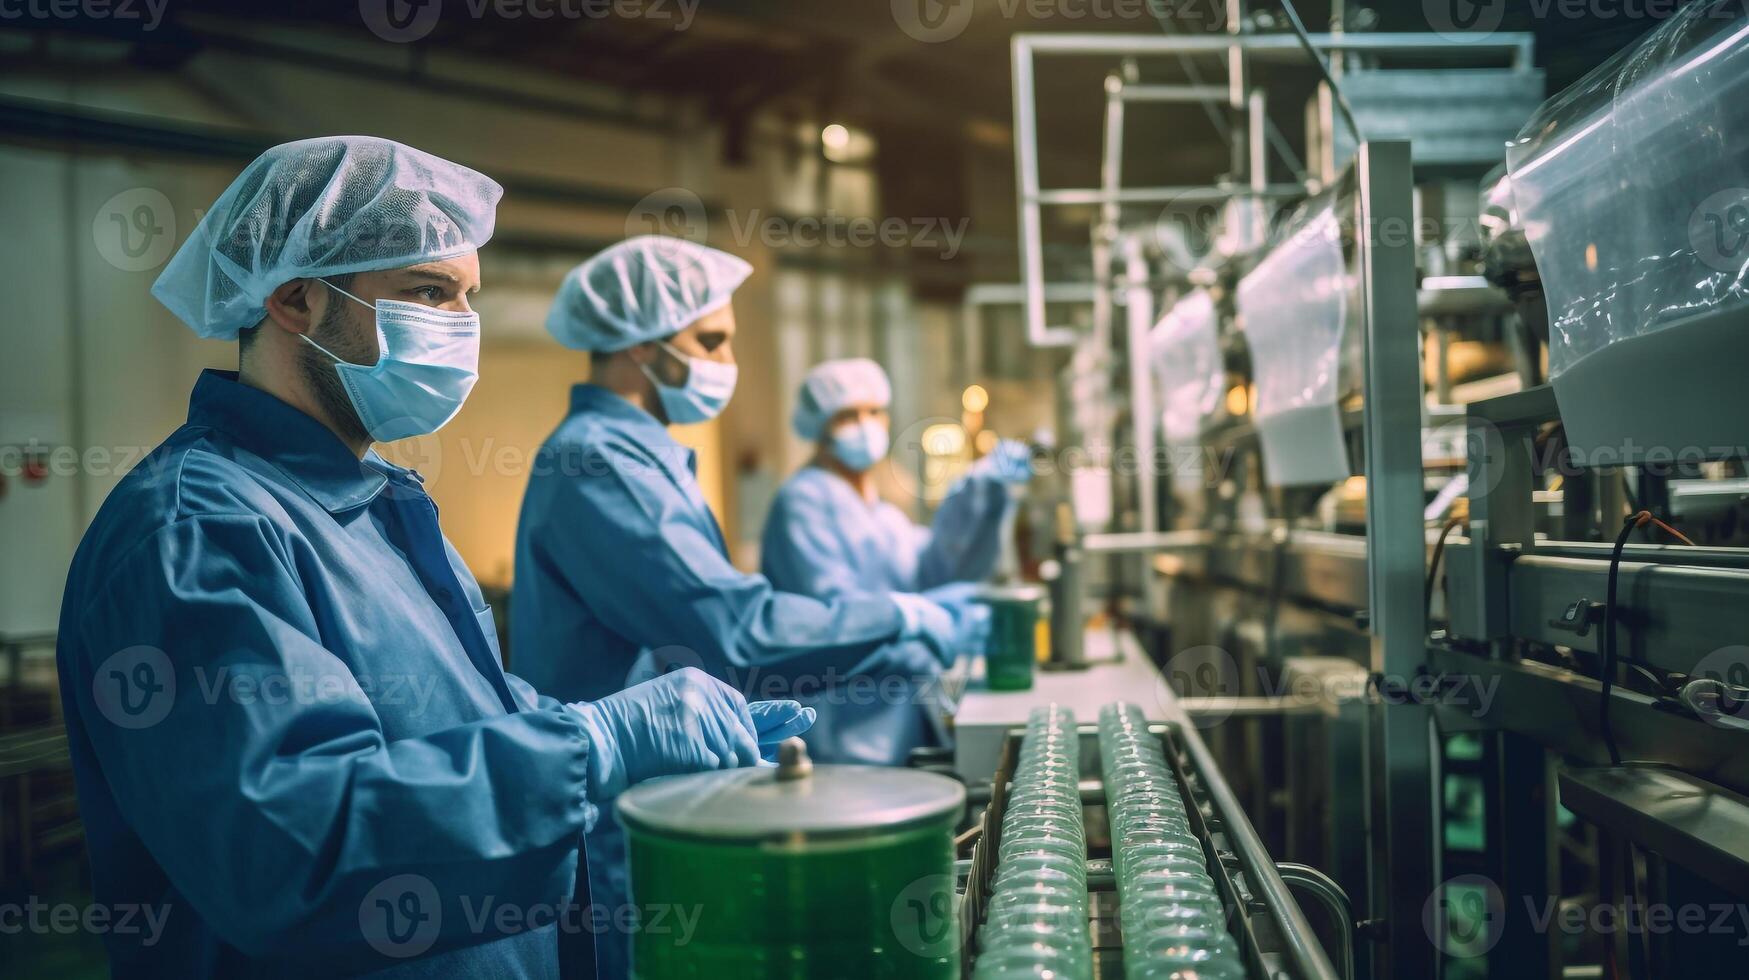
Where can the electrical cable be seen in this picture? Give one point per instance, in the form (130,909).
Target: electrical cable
(1451,525)
(1293,18)
(1634,521)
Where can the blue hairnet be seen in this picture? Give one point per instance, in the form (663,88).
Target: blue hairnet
(322,207)
(643,288)
(833,386)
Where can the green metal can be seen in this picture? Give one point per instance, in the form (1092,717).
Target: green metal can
(1016,615)
(843,872)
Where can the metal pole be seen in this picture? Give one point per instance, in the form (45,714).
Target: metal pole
(1139,319)
(1031,227)
(1404,788)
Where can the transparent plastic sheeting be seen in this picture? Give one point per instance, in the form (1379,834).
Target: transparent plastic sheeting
(1173,921)
(1036,921)
(1633,185)
(1190,372)
(1293,308)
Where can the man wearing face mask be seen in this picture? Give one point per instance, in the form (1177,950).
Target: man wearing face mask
(253,603)
(621,568)
(829,534)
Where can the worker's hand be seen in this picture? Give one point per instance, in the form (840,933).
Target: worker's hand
(954,595)
(971,618)
(685,721)
(1009,462)
(929,622)
(777,720)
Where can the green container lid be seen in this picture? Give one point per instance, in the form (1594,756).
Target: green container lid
(1015,593)
(761,804)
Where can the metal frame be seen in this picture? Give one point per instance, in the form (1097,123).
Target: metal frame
(1405,785)
(1234,49)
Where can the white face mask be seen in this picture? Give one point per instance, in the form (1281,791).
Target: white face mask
(427,362)
(860,445)
(709,386)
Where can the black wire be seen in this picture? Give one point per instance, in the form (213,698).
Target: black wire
(1433,568)
(1608,672)
(1293,18)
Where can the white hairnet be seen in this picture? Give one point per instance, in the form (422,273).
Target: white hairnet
(322,207)
(643,288)
(833,386)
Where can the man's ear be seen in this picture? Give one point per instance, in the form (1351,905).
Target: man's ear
(295,307)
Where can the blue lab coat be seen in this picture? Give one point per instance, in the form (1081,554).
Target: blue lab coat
(289,725)
(622,572)
(824,540)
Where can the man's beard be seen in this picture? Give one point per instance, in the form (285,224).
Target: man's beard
(336,334)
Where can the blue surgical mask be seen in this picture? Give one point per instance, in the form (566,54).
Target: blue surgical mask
(709,386)
(427,362)
(860,445)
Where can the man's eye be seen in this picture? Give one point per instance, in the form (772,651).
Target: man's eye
(431,294)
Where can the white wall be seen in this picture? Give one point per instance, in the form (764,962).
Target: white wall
(95,364)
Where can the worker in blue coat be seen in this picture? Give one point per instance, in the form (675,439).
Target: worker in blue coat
(292,736)
(621,568)
(828,534)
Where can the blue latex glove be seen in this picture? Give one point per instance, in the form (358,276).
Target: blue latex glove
(954,595)
(1009,462)
(775,721)
(971,618)
(685,721)
(929,622)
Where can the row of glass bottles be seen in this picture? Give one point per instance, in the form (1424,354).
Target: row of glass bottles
(1173,921)
(1036,920)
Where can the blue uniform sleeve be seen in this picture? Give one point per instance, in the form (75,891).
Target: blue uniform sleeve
(628,542)
(965,538)
(277,817)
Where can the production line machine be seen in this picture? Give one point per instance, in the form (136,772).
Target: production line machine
(1444,546)
(1420,628)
